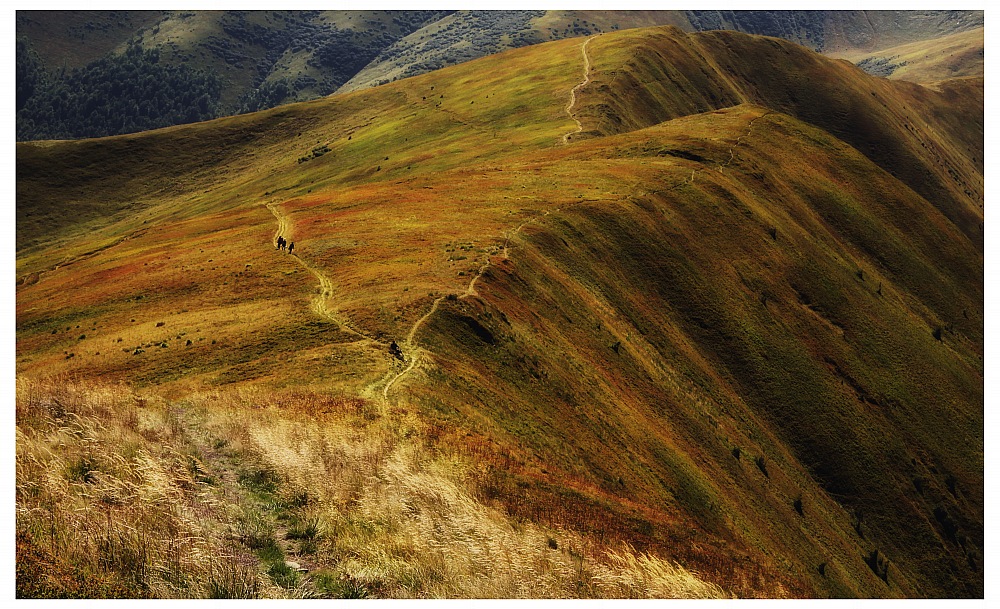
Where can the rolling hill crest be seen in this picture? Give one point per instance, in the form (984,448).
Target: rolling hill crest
(710,295)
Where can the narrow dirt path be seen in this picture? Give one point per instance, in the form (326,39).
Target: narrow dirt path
(739,140)
(35,276)
(319,304)
(470,290)
(719,167)
(572,92)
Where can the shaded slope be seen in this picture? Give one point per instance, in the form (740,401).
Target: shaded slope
(707,335)
(730,338)
(646,77)
(837,30)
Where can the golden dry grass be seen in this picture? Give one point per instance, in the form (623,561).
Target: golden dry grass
(166,500)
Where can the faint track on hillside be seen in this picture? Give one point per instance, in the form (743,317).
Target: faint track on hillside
(572,92)
(470,290)
(720,166)
(319,303)
(739,140)
(36,276)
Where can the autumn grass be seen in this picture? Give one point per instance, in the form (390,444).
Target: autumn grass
(110,500)
(252,494)
(652,305)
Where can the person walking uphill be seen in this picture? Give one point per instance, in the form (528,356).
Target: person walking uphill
(291,246)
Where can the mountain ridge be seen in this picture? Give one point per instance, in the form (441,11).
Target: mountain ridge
(722,334)
(239,61)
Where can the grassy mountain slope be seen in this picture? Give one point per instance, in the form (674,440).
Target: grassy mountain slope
(835,31)
(470,34)
(932,157)
(709,321)
(927,61)
(252,60)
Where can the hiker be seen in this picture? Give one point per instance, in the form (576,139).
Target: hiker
(281,243)
(395,351)
(291,246)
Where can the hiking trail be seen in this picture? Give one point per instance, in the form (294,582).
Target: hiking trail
(326,289)
(720,166)
(470,290)
(572,92)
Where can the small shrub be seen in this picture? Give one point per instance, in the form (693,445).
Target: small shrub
(269,551)
(308,529)
(259,480)
(329,585)
(83,470)
(230,579)
(283,575)
(879,565)
(762,466)
(256,533)
(298,499)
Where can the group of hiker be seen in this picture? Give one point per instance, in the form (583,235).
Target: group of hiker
(284,245)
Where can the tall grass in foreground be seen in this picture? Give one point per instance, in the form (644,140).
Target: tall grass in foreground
(250,493)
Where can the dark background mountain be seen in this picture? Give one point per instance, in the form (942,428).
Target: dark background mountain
(96,73)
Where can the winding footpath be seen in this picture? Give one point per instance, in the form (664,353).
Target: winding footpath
(572,93)
(319,303)
(720,166)
(470,290)
(410,349)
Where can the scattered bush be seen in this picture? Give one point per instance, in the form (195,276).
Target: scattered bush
(283,575)
(879,565)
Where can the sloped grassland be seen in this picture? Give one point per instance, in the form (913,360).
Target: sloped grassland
(735,322)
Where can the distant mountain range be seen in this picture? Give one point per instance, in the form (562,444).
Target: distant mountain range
(96,73)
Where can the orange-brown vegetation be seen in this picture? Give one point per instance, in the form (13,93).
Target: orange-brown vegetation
(735,323)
